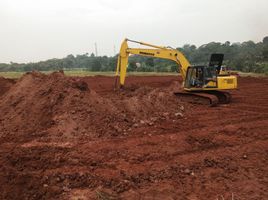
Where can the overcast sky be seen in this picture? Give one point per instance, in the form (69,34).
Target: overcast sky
(34,30)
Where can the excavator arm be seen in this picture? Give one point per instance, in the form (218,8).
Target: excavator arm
(155,51)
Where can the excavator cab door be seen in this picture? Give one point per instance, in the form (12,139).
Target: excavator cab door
(210,77)
(194,77)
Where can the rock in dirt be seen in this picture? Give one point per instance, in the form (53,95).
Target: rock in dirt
(187,171)
(178,114)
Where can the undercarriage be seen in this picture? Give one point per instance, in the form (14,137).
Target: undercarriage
(212,98)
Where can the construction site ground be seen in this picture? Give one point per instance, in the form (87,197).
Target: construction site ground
(77,138)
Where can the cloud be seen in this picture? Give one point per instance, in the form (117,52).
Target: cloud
(33,30)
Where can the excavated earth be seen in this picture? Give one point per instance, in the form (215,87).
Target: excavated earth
(78,138)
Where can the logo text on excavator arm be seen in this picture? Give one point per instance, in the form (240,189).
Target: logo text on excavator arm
(146,53)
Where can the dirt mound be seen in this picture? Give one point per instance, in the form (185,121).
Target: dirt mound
(46,115)
(5,85)
(55,106)
(40,104)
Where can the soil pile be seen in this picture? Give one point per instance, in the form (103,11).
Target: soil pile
(40,104)
(56,106)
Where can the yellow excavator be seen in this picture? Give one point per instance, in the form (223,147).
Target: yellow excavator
(202,82)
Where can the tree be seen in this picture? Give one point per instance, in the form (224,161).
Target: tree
(265,41)
(96,65)
(246,56)
(265,48)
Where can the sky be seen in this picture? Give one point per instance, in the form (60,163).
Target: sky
(34,30)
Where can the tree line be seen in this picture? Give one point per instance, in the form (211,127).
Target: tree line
(247,57)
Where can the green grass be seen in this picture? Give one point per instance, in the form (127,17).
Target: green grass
(11,74)
(244,74)
(81,73)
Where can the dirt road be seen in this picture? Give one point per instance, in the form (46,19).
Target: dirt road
(77,138)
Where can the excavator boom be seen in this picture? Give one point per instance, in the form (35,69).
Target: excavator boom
(158,52)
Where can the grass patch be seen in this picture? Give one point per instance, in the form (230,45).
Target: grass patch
(11,74)
(245,74)
(82,73)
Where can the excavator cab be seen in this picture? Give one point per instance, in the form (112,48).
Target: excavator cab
(198,77)
(211,77)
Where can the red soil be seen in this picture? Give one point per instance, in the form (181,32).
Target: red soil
(77,138)
(5,84)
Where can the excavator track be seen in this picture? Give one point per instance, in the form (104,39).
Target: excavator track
(223,97)
(211,98)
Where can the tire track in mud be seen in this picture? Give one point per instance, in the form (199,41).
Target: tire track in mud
(175,170)
(211,133)
(120,155)
(203,143)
